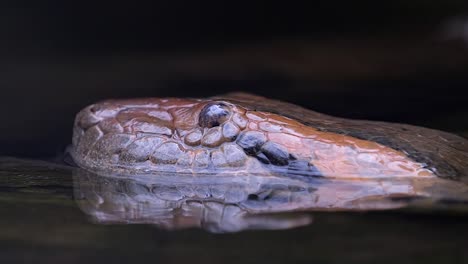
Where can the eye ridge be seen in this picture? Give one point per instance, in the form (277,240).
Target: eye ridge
(213,114)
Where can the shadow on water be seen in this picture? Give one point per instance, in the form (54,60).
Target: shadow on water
(53,213)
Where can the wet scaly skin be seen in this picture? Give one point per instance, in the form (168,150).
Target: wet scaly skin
(243,134)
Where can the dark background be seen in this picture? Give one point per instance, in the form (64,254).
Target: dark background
(403,61)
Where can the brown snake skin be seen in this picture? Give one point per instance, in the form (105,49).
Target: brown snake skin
(246,134)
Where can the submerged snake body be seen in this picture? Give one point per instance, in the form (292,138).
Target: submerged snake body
(245,134)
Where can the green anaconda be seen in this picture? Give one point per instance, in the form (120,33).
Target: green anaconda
(246,134)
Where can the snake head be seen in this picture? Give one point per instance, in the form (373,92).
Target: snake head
(227,135)
(174,134)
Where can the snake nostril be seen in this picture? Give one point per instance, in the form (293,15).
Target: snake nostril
(95,108)
(213,115)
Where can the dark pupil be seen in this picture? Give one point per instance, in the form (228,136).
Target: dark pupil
(213,115)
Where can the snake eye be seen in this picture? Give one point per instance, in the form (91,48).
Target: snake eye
(213,115)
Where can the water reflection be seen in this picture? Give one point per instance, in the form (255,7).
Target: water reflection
(233,203)
(177,202)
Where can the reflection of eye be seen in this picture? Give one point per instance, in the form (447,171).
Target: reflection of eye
(213,115)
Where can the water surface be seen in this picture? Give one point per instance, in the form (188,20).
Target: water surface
(44,220)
